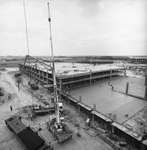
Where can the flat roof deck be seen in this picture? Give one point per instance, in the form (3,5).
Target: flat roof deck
(108,101)
(64,69)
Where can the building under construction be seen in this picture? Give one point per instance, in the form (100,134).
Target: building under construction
(72,75)
(69,75)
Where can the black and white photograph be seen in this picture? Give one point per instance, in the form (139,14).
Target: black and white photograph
(73,75)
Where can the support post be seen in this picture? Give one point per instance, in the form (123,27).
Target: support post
(125,72)
(80,98)
(110,73)
(112,129)
(90,76)
(94,106)
(146,80)
(60,84)
(145,97)
(127,87)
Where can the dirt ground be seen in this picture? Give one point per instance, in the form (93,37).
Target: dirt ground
(21,98)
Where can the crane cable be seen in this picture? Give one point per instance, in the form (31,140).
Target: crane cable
(26,27)
(27,39)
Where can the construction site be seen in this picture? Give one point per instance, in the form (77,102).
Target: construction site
(87,103)
(95,120)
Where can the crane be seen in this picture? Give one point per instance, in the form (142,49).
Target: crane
(56,125)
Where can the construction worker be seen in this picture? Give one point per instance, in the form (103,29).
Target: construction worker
(11,108)
(112,88)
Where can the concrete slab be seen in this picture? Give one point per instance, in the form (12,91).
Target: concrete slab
(108,101)
(136,85)
(130,108)
(64,69)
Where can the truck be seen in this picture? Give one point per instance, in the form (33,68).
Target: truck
(30,139)
(33,86)
(40,110)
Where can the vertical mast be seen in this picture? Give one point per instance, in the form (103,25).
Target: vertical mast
(53,70)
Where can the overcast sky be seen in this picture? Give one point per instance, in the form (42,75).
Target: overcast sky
(79,27)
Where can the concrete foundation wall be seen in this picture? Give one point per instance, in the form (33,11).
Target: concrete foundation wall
(107,123)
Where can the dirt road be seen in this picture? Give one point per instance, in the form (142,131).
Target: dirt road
(18,100)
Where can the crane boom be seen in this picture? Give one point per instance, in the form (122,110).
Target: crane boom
(56,125)
(53,70)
